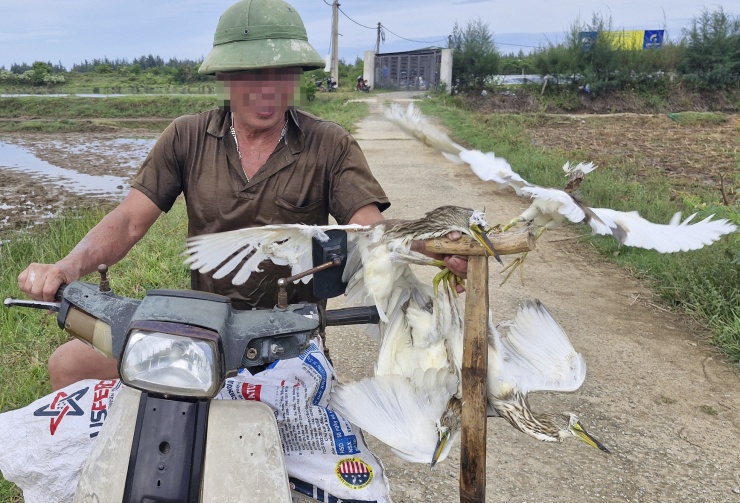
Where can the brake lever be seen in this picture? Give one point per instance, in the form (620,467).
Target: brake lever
(35,304)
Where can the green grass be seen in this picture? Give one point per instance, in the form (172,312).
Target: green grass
(114,83)
(699,118)
(704,283)
(129,107)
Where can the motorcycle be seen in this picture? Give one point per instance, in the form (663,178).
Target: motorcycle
(167,439)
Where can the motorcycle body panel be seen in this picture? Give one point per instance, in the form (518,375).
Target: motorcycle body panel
(242,458)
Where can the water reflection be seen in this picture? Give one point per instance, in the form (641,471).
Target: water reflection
(22,160)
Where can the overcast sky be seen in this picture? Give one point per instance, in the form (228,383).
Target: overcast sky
(70,31)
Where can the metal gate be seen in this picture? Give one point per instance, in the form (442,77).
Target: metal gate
(417,70)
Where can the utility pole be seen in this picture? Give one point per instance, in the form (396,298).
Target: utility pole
(335,42)
(377,42)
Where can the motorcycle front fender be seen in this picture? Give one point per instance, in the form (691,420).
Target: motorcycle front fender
(243,458)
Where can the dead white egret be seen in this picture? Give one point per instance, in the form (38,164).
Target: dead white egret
(414,404)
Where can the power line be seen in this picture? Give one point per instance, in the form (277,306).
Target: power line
(516,45)
(410,40)
(358,24)
(385,28)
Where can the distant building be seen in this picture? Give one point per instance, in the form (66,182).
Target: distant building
(422,69)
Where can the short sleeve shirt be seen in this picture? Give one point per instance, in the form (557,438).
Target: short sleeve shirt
(317,170)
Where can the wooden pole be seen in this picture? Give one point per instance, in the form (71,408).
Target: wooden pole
(475,351)
(506,243)
(474,372)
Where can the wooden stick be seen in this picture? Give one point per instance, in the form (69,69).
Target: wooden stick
(507,243)
(474,372)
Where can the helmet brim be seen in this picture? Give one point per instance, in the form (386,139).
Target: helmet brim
(258,54)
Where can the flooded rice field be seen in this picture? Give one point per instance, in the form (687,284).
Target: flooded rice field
(43,174)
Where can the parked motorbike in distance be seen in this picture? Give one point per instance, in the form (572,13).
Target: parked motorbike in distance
(167,440)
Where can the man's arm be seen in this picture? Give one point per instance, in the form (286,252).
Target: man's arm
(106,243)
(367,215)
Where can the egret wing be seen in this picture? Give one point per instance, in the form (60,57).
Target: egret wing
(414,123)
(244,249)
(395,411)
(630,229)
(535,354)
(548,201)
(583,167)
(488,167)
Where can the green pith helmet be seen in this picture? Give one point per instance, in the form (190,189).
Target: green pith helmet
(254,34)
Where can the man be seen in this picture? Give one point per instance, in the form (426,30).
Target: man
(254,161)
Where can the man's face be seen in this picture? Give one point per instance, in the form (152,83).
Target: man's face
(261,96)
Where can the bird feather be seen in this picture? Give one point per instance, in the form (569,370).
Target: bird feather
(630,229)
(533,354)
(382,406)
(288,244)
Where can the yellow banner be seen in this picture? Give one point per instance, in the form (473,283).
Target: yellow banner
(629,40)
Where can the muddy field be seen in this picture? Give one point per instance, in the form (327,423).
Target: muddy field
(41,174)
(700,152)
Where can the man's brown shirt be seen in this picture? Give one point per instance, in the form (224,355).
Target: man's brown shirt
(316,171)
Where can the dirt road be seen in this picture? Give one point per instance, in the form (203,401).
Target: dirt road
(662,402)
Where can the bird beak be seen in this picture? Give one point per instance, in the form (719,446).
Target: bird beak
(480,235)
(441,442)
(580,433)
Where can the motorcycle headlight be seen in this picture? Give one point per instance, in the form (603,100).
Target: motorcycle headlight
(158,361)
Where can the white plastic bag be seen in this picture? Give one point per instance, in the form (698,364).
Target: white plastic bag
(326,458)
(46,443)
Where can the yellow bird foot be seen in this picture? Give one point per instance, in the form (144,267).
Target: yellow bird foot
(510,224)
(439,277)
(515,264)
(450,281)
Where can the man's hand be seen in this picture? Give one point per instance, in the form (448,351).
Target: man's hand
(457,264)
(41,281)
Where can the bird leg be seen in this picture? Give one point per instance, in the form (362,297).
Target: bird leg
(450,280)
(519,261)
(511,224)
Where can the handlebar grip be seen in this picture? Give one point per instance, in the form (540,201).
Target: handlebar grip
(60,293)
(352,316)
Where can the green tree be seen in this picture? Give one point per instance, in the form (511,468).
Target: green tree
(474,56)
(39,72)
(712,50)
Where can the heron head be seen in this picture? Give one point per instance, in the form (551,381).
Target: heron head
(478,229)
(448,429)
(440,453)
(576,429)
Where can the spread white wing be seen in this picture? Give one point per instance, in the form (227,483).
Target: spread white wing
(630,229)
(245,249)
(533,354)
(394,410)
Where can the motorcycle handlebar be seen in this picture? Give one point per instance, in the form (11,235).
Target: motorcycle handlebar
(352,316)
